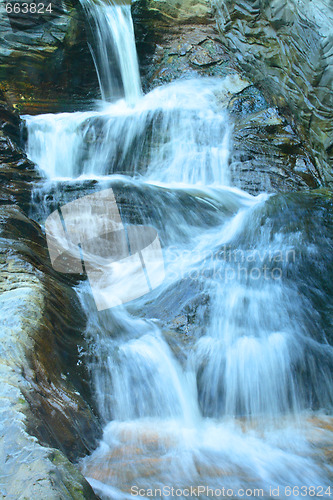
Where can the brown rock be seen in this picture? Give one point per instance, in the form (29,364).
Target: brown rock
(43,382)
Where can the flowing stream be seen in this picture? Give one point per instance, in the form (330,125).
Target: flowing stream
(221,376)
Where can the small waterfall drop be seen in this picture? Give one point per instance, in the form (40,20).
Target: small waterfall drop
(177,134)
(114,51)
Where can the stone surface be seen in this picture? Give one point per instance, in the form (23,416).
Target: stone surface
(41,382)
(177,40)
(46,407)
(45,63)
(269,153)
(16,172)
(285,46)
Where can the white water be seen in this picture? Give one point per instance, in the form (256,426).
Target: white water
(230,404)
(114,51)
(224,409)
(174,134)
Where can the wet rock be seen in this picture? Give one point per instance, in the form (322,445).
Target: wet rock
(9,120)
(207,53)
(147,205)
(45,63)
(17,173)
(185,11)
(47,410)
(43,385)
(268,155)
(177,40)
(249,100)
(233,85)
(183,310)
(285,48)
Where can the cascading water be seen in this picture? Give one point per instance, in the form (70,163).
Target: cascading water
(223,406)
(173,134)
(114,51)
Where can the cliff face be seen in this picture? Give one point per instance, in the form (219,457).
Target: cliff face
(285,46)
(177,40)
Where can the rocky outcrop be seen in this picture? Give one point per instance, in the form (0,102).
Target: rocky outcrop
(180,40)
(47,411)
(267,153)
(285,46)
(17,173)
(177,40)
(45,63)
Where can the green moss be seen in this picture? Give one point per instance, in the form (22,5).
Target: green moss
(325,192)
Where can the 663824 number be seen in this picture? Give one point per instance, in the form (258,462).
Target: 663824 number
(28,8)
(308,491)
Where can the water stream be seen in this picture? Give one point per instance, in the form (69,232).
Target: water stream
(238,395)
(114,51)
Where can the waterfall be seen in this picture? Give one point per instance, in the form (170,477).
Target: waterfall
(114,51)
(225,403)
(170,135)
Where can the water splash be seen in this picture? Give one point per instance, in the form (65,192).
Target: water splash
(231,408)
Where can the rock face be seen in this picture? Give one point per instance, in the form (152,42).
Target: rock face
(267,154)
(45,63)
(177,40)
(180,40)
(43,385)
(285,46)
(16,172)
